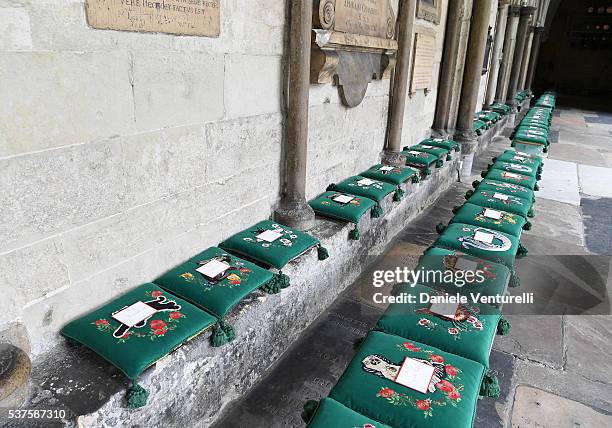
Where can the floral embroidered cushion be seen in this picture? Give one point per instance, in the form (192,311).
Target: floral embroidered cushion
(391,174)
(330,413)
(217,294)
(514,157)
(157,324)
(441,142)
(529,137)
(534,127)
(500,108)
(476,215)
(511,177)
(488,116)
(501,201)
(439,152)
(479,126)
(478,241)
(516,167)
(507,188)
(367,385)
(365,187)
(493,280)
(270,243)
(422,160)
(469,334)
(341,206)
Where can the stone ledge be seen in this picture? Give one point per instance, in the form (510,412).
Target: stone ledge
(197,381)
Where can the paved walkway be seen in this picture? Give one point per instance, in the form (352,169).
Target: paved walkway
(555,370)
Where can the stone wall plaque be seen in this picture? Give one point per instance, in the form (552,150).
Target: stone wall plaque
(429,10)
(423,61)
(182,17)
(352,44)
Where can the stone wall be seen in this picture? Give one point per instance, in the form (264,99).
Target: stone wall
(121,154)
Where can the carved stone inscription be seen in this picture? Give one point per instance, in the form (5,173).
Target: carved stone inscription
(366,17)
(422,66)
(184,17)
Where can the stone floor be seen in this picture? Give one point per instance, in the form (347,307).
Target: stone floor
(555,368)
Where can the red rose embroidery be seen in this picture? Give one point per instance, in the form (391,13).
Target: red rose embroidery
(445,386)
(423,321)
(234,282)
(411,347)
(436,358)
(126,335)
(160,332)
(245,270)
(156,293)
(176,315)
(386,392)
(101,322)
(454,395)
(453,331)
(422,404)
(158,325)
(452,371)
(368,426)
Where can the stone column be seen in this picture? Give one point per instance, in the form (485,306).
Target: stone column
(405,36)
(496,56)
(521,42)
(293,210)
(508,54)
(471,83)
(451,71)
(533,58)
(525,61)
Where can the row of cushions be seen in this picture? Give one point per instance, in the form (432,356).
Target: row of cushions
(430,153)
(142,326)
(534,127)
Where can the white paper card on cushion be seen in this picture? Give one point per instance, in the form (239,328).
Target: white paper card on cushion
(519,158)
(425,146)
(269,235)
(414,152)
(438,139)
(500,196)
(365,182)
(485,237)
(466,265)
(134,314)
(415,375)
(494,214)
(513,175)
(213,268)
(527,155)
(444,309)
(386,168)
(343,199)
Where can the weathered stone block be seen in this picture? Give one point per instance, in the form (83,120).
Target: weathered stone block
(15,29)
(49,192)
(86,96)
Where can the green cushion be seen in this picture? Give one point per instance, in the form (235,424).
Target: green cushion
(508,188)
(330,413)
(366,388)
(134,349)
(516,167)
(397,175)
(509,223)
(278,253)
(469,335)
(500,108)
(443,260)
(511,177)
(220,295)
(512,156)
(479,126)
(326,205)
(442,142)
(460,236)
(533,129)
(377,190)
(501,201)
(439,152)
(529,137)
(488,116)
(419,159)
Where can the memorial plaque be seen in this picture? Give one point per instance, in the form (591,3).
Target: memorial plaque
(422,65)
(365,17)
(182,17)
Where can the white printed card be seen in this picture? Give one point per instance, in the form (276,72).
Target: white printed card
(213,268)
(134,314)
(415,375)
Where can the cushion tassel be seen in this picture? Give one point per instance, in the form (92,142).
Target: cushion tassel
(468,194)
(456,208)
(515,281)
(415,178)
(354,234)
(332,186)
(483,174)
(398,195)
(440,228)
(427,171)
(456,148)
(282,279)
(310,407)
(136,396)
(271,287)
(449,157)
(530,213)
(490,386)
(229,331)
(322,252)
(218,336)
(377,211)
(545,150)
(521,251)
(439,163)
(503,327)
(536,187)
(513,144)
(527,225)
(475,183)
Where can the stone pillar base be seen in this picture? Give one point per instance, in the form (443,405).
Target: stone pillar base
(441,133)
(389,157)
(296,214)
(15,368)
(469,143)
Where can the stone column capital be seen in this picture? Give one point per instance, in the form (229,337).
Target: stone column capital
(537,29)
(527,10)
(514,10)
(502,3)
